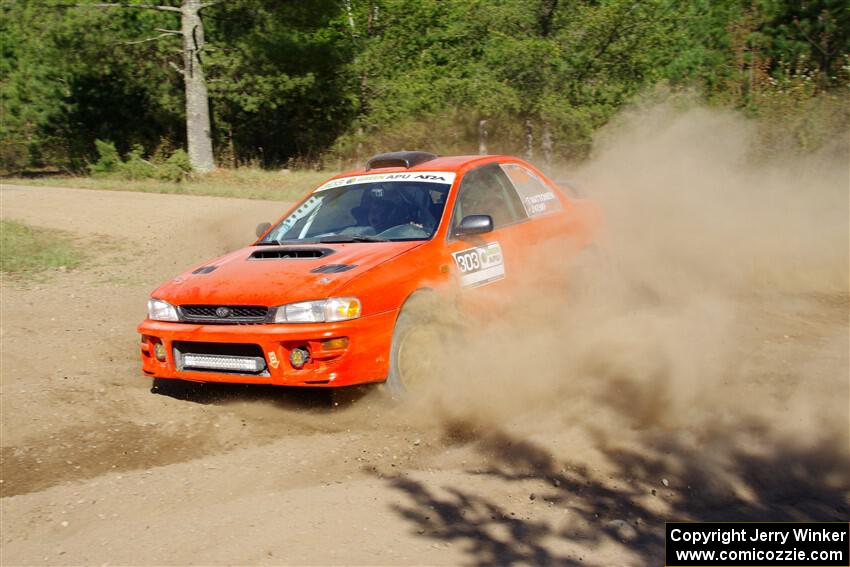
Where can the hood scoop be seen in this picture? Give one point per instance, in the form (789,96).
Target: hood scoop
(333,268)
(294,253)
(205,270)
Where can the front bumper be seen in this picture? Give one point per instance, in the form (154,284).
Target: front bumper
(364,359)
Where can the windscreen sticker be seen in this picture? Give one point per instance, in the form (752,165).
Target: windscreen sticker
(480,265)
(307,207)
(537,197)
(441,177)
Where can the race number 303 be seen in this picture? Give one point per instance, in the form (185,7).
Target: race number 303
(480,265)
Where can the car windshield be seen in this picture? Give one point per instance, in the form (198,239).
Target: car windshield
(365,212)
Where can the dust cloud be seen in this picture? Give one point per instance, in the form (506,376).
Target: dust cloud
(716,299)
(714,306)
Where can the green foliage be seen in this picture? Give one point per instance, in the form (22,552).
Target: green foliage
(534,71)
(810,34)
(108,160)
(27,249)
(334,80)
(795,116)
(134,166)
(279,87)
(176,168)
(69,78)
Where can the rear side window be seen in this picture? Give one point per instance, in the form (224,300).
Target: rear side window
(487,191)
(537,197)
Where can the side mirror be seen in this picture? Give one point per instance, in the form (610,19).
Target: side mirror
(262,228)
(475,224)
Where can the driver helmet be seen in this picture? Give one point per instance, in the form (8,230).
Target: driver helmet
(380,213)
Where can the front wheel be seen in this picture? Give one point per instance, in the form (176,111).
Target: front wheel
(415,353)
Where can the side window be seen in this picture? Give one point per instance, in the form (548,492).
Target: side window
(537,197)
(487,191)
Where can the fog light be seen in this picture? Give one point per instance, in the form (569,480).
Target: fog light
(338,343)
(159,350)
(299,357)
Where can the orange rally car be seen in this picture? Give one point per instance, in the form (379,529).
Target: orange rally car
(320,298)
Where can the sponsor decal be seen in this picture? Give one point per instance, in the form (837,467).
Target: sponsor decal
(273,360)
(537,197)
(480,265)
(537,204)
(441,177)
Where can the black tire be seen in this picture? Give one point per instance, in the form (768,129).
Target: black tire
(418,330)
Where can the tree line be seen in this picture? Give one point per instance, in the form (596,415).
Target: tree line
(293,83)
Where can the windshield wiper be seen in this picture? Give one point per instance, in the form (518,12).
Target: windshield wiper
(342,238)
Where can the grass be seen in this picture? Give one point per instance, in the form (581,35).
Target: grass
(245,183)
(25,249)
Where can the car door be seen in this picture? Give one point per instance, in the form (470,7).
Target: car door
(555,233)
(486,266)
(542,204)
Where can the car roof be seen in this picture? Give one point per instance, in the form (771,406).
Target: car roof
(440,163)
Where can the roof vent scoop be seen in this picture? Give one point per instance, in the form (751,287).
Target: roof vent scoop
(399,159)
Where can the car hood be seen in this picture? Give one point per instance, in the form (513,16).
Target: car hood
(274,275)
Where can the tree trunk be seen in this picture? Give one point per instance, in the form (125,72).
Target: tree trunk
(197,101)
(546,146)
(358,148)
(482,137)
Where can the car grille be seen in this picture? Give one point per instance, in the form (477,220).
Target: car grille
(224,314)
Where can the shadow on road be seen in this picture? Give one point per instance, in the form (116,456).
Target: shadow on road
(318,399)
(712,481)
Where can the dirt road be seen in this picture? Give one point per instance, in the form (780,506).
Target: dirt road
(96,469)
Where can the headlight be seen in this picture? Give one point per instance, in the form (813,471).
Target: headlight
(322,311)
(159,310)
